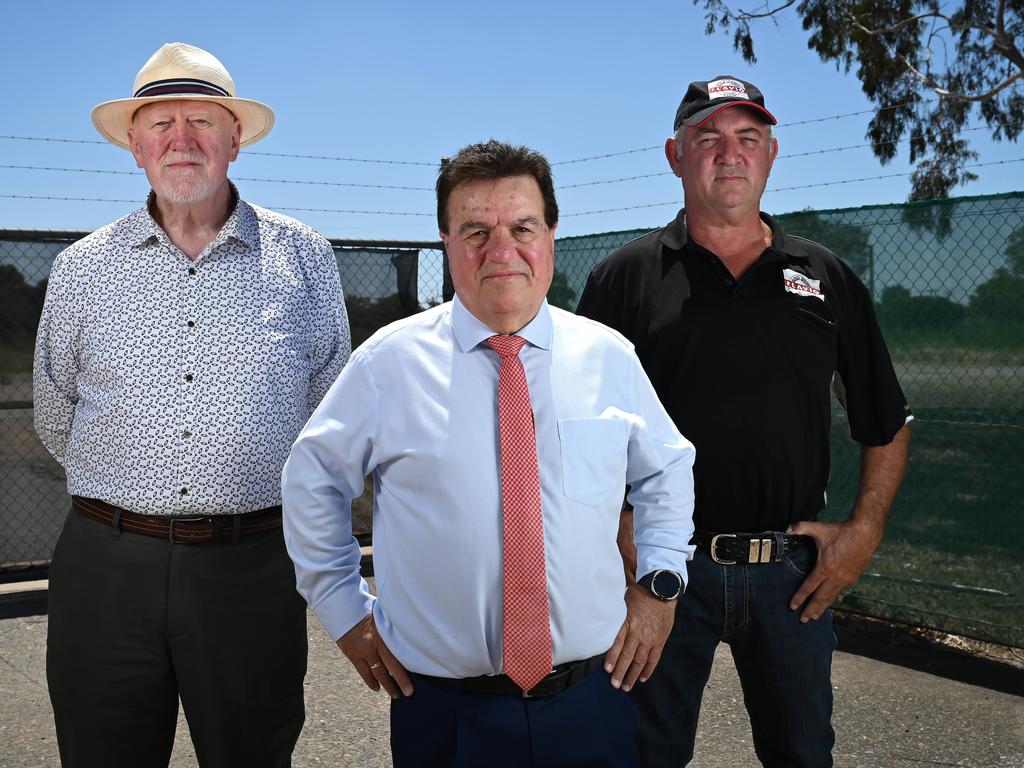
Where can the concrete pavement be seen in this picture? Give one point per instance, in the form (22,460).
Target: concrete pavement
(886,716)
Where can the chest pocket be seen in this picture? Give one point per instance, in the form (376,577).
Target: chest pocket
(593,459)
(811,333)
(811,315)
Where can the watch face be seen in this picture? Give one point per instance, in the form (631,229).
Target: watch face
(666,585)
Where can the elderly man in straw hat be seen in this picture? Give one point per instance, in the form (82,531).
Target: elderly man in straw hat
(180,351)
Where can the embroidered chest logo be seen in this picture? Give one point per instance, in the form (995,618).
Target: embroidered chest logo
(801,285)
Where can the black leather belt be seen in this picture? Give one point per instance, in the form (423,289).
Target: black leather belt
(180,530)
(749,548)
(560,678)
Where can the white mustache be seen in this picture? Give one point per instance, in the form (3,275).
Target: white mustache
(183,157)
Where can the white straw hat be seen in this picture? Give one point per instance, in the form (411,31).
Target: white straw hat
(181,71)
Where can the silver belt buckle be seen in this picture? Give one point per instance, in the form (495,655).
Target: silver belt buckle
(714,546)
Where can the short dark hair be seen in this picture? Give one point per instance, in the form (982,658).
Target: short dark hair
(494,160)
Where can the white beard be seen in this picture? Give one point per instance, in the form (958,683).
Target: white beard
(190,188)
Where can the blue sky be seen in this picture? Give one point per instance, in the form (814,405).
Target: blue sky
(412,82)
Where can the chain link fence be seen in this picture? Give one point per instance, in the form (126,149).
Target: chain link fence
(947,278)
(383,281)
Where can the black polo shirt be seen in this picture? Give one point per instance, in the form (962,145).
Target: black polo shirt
(745,367)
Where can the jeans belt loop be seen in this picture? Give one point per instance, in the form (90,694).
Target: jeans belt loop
(236,528)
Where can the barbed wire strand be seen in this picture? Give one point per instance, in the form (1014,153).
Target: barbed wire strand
(244,151)
(272,207)
(380,161)
(780,157)
(430,189)
(786,189)
(794,124)
(579,213)
(341,159)
(235,178)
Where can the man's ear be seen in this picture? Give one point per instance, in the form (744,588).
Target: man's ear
(236,140)
(774,153)
(135,149)
(672,155)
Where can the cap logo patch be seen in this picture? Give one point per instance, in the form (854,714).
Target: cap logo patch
(801,285)
(727,89)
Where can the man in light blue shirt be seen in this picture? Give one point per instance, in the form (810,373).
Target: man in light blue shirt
(417,409)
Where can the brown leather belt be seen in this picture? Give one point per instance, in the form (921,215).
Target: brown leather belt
(180,530)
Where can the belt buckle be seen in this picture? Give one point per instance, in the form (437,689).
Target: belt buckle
(548,678)
(173,520)
(714,545)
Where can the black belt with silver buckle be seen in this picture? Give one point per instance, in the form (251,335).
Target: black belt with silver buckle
(749,548)
(560,678)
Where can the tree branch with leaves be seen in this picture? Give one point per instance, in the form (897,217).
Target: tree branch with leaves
(927,66)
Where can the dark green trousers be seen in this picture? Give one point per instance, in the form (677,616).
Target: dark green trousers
(135,622)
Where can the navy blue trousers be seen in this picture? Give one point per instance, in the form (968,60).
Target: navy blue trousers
(590,724)
(785,667)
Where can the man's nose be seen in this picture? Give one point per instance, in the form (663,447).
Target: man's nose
(729,150)
(181,135)
(502,246)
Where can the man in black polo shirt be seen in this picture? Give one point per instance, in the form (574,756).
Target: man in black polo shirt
(744,331)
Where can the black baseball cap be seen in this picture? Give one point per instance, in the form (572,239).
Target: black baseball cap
(706,98)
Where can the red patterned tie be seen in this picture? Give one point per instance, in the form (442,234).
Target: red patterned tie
(527,628)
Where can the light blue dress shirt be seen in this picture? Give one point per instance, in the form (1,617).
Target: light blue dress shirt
(416,408)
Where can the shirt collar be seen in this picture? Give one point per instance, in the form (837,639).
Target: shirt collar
(675,236)
(470,331)
(241,225)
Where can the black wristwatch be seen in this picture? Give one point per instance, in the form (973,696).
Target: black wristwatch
(664,584)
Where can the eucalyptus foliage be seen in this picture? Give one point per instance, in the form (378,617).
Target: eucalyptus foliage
(928,67)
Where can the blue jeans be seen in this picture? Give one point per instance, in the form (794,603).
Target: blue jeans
(785,667)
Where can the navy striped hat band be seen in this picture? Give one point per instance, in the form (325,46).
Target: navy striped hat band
(184,86)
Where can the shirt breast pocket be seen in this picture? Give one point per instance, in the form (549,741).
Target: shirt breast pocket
(814,313)
(593,459)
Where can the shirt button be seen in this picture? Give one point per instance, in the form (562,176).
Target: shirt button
(186,434)
(183,492)
(191,323)
(191,270)
(188,377)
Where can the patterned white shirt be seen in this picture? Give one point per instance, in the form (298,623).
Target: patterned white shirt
(172,387)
